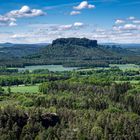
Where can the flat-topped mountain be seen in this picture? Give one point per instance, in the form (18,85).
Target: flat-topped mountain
(80,52)
(81,48)
(75,41)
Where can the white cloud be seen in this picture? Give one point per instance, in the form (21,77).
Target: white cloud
(90,6)
(65,27)
(126,27)
(44,33)
(25,11)
(119,21)
(13,23)
(18,36)
(73,26)
(6,21)
(130,23)
(78,24)
(136,21)
(75,13)
(131,18)
(84,5)
(127,32)
(117,28)
(130,27)
(9,19)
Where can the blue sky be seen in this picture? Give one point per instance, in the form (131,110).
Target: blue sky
(36,21)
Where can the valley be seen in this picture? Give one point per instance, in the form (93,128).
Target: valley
(70,90)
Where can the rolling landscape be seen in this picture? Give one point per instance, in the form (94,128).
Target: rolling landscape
(69,70)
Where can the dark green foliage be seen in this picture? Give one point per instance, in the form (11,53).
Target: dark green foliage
(1,90)
(17,124)
(4,70)
(19,79)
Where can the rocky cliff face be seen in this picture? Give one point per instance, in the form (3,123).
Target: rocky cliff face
(18,121)
(75,41)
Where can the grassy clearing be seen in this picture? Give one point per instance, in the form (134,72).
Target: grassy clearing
(132,81)
(24,89)
(53,68)
(125,67)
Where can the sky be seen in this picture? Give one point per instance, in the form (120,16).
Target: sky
(42,21)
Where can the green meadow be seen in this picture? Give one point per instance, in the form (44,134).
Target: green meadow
(23,89)
(125,67)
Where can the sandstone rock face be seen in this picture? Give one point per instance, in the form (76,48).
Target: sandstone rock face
(75,41)
(49,119)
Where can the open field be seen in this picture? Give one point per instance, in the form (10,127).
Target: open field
(60,68)
(132,81)
(23,89)
(125,67)
(49,67)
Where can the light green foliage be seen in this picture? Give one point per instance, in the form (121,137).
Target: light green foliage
(125,67)
(1,90)
(23,89)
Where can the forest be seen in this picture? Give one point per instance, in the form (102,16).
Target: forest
(83,104)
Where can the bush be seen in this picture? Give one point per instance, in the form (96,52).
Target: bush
(28,103)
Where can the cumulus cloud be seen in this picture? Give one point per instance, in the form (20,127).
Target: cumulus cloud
(73,26)
(78,24)
(65,27)
(84,5)
(130,27)
(75,13)
(25,11)
(7,21)
(129,24)
(126,27)
(119,21)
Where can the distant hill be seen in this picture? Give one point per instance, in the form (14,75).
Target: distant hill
(130,45)
(19,50)
(79,52)
(22,45)
(6,44)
